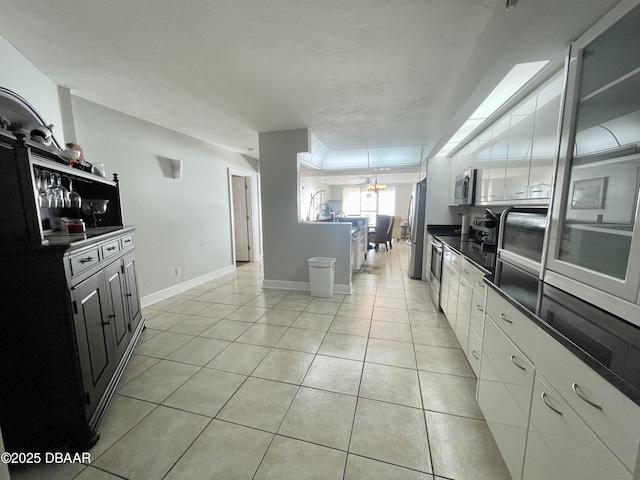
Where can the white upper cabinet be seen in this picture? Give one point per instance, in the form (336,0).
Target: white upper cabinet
(519,152)
(594,234)
(515,155)
(545,137)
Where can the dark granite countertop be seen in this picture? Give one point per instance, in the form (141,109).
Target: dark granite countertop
(450,235)
(606,343)
(621,368)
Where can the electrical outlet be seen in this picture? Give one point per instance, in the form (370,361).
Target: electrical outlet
(178,271)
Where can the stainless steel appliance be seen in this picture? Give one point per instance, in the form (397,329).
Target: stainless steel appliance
(465,187)
(484,230)
(417,206)
(520,247)
(435,272)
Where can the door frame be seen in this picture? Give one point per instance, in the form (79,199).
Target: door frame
(253,210)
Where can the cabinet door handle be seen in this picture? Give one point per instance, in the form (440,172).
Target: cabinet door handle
(129,295)
(480,284)
(514,360)
(519,193)
(475,354)
(87,259)
(546,402)
(536,191)
(582,396)
(462,284)
(505,318)
(465,270)
(479,307)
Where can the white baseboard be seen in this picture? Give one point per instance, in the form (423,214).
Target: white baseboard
(184,286)
(303,286)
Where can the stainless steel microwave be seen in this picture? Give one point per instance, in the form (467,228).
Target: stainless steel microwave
(465,187)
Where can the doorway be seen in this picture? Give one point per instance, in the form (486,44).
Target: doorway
(245,229)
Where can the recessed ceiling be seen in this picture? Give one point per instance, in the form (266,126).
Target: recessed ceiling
(360,74)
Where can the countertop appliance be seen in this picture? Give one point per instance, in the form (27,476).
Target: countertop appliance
(484,230)
(465,187)
(417,206)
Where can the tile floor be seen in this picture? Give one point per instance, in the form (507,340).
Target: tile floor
(233,381)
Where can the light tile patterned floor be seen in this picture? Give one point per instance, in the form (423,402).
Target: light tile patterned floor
(232,381)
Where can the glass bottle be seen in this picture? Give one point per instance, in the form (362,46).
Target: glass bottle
(75,201)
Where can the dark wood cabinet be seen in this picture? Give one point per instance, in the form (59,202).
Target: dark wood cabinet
(94,335)
(70,311)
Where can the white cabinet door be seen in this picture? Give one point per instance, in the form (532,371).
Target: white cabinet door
(545,134)
(594,235)
(463,314)
(504,395)
(560,445)
(519,150)
(498,164)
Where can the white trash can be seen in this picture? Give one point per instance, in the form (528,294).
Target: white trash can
(322,271)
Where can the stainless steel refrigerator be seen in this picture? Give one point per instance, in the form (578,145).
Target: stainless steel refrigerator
(417,206)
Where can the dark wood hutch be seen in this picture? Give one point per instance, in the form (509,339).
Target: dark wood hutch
(70,312)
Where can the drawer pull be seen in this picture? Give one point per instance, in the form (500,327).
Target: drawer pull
(475,354)
(505,318)
(462,284)
(546,402)
(111,248)
(481,284)
(87,259)
(465,270)
(128,240)
(514,360)
(480,307)
(576,389)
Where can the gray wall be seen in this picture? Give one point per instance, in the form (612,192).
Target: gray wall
(288,243)
(438,211)
(181,223)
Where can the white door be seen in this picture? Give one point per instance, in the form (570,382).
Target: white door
(240,218)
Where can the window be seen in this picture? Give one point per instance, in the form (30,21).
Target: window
(364,203)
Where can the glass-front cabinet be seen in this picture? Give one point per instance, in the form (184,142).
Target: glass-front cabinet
(595,238)
(515,155)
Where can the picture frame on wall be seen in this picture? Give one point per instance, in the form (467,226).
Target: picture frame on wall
(589,194)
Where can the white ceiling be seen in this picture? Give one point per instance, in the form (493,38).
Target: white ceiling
(362,73)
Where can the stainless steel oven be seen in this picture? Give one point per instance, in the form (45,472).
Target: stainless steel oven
(435,272)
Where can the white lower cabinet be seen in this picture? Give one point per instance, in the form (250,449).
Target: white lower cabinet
(504,395)
(551,415)
(463,317)
(561,446)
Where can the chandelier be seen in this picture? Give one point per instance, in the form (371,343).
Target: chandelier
(377,187)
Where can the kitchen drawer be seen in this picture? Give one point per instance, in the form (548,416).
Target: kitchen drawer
(474,351)
(84,261)
(470,272)
(560,445)
(455,261)
(504,395)
(127,241)
(477,311)
(610,414)
(518,327)
(110,248)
